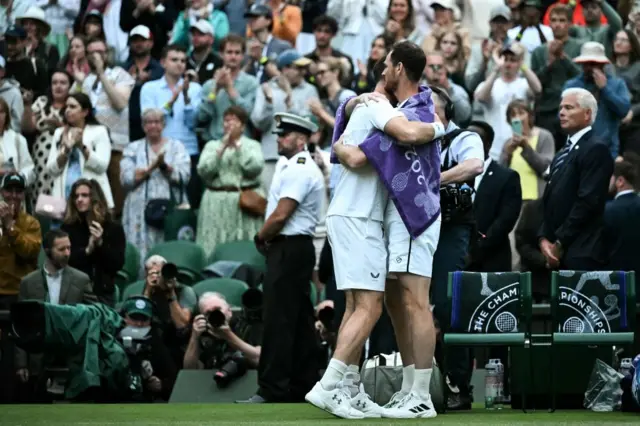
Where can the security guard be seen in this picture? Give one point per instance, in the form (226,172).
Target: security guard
(462,160)
(288,367)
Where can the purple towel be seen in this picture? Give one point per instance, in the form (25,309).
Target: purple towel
(410,174)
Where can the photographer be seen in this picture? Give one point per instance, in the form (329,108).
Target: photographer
(216,335)
(174,303)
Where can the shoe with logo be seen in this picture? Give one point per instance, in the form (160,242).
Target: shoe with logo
(395,399)
(411,407)
(363,403)
(336,401)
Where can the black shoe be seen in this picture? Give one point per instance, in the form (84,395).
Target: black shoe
(255,399)
(459,399)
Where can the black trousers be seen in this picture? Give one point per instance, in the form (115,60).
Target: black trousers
(288,363)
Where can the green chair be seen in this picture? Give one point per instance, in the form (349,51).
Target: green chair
(231,289)
(316,296)
(133,289)
(239,251)
(131,269)
(489,309)
(188,257)
(594,308)
(42,256)
(116,294)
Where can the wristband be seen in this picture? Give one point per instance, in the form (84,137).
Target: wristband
(211,97)
(524,68)
(168,107)
(439,130)
(362,84)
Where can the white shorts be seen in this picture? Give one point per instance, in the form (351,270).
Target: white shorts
(405,254)
(359,253)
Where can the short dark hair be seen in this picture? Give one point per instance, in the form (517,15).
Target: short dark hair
(326,21)
(412,57)
(627,169)
(95,40)
(489,134)
(378,69)
(50,237)
(232,39)
(239,112)
(172,48)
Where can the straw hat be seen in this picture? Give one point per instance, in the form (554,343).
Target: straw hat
(592,51)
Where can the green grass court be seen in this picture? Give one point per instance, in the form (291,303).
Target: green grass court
(290,414)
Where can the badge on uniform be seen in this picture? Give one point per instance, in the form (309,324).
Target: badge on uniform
(302,160)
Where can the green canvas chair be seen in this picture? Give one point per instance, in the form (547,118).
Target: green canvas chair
(595,308)
(188,257)
(231,289)
(489,309)
(131,269)
(133,289)
(239,251)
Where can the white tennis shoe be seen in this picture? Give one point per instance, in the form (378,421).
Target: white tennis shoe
(363,403)
(336,401)
(411,407)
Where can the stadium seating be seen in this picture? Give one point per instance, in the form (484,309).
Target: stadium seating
(239,251)
(131,269)
(489,309)
(596,308)
(188,256)
(133,289)
(231,289)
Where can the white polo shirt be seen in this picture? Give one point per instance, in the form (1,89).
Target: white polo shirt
(300,179)
(360,192)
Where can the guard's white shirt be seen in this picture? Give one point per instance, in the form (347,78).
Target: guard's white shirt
(577,136)
(466,146)
(54,284)
(300,179)
(360,192)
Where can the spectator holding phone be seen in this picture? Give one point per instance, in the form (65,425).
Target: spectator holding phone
(529,151)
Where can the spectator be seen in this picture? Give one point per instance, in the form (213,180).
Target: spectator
(502,86)
(97,241)
(310,11)
(570,236)
(288,92)
(364,81)
(476,16)
(14,152)
(37,28)
(142,67)
(264,46)
(552,63)
(179,98)
(82,150)
(149,169)
(31,73)
(158,17)
(516,6)
(529,151)
(41,120)
(203,59)
(527,244)
(287,22)
(75,61)
(93,28)
(450,44)
(229,86)
(481,63)
(104,16)
(626,61)
(531,32)
(614,100)
(196,10)
(359,23)
(401,23)
(20,240)
(57,283)
(324,31)
(595,29)
(109,89)
(228,167)
(578,17)
(235,13)
(436,74)
(621,218)
(445,22)
(60,15)
(9,10)
(10,92)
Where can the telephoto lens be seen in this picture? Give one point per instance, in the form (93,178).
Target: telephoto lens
(216,318)
(169,271)
(252,305)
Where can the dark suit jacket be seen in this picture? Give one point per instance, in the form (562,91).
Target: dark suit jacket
(275,47)
(75,288)
(623,232)
(496,209)
(574,201)
(531,258)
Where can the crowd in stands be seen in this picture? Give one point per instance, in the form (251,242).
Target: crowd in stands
(113,110)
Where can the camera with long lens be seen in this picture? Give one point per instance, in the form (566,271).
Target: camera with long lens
(216,318)
(455,200)
(233,366)
(169,271)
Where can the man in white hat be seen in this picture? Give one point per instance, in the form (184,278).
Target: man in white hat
(35,24)
(614,100)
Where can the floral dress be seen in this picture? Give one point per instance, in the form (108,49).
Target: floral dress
(42,145)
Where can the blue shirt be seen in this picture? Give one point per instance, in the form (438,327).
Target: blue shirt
(180,123)
(614,102)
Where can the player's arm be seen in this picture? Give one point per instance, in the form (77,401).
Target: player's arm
(276,221)
(349,155)
(413,132)
(365,98)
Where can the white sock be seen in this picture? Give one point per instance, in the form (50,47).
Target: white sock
(421,381)
(333,374)
(407,378)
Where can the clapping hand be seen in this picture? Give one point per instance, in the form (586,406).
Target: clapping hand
(315,106)
(393,27)
(362,68)
(98,63)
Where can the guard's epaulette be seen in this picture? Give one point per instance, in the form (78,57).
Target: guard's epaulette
(302,160)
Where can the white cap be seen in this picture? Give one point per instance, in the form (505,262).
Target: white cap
(3,63)
(203,26)
(141,31)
